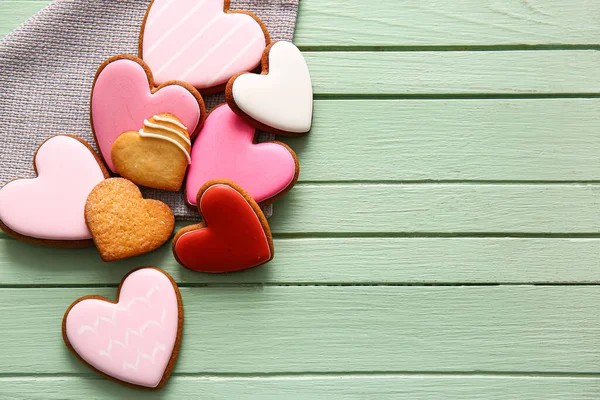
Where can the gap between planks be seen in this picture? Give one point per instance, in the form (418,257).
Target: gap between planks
(332,375)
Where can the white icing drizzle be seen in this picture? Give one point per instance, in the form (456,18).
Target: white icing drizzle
(234,60)
(168,139)
(170,120)
(213,49)
(166,128)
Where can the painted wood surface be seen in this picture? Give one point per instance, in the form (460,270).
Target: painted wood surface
(431,209)
(337,261)
(443,242)
(448,23)
(452,139)
(308,329)
(446,73)
(347,387)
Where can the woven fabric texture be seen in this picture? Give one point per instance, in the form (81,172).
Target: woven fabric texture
(47,67)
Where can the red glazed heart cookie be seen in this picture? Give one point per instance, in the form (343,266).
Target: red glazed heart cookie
(124,95)
(48,209)
(225,149)
(123,223)
(200,42)
(233,236)
(135,340)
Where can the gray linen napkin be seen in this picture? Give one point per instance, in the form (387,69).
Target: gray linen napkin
(48,64)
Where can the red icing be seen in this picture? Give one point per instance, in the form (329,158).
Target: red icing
(233,240)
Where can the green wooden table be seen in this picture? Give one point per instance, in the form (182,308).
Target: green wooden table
(443,241)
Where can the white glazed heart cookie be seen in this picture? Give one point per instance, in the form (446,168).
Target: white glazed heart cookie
(280,100)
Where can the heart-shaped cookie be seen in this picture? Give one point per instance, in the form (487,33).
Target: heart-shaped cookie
(48,210)
(200,42)
(233,236)
(156,156)
(123,223)
(225,149)
(124,95)
(280,100)
(134,341)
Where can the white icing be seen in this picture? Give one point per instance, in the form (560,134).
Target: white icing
(213,49)
(189,44)
(170,120)
(234,59)
(166,128)
(175,26)
(168,139)
(282,99)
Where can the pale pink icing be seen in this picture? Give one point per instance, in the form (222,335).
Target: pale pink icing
(122,100)
(133,340)
(51,206)
(195,41)
(225,149)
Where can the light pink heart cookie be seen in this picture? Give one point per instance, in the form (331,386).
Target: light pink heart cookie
(225,149)
(200,41)
(124,96)
(134,341)
(48,210)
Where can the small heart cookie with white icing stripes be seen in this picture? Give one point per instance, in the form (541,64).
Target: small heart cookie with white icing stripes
(157,155)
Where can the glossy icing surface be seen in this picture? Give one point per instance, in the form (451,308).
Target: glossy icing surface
(197,42)
(234,239)
(133,340)
(224,149)
(51,206)
(282,99)
(122,100)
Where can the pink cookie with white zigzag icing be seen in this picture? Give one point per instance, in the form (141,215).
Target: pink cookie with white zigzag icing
(201,42)
(134,341)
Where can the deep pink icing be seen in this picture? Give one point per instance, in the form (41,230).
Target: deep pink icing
(133,340)
(122,100)
(224,149)
(51,206)
(195,41)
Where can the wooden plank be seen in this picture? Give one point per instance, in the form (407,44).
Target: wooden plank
(334,261)
(14,13)
(347,387)
(445,23)
(438,208)
(405,140)
(454,72)
(291,329)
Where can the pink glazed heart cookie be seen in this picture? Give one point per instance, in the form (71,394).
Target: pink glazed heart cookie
(134,341)
(49,209)
(200,42)
(124,96)
(225,149)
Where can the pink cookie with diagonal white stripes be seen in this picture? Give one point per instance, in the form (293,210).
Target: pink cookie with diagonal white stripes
(134,341)
(201,42)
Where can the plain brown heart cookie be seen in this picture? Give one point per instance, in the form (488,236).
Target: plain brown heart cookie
(124,224)
(156,156)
